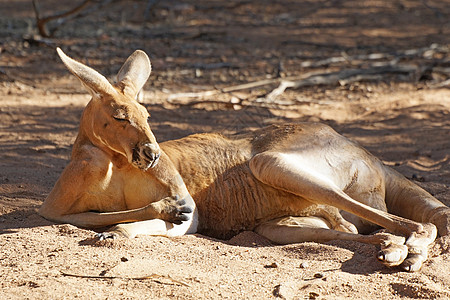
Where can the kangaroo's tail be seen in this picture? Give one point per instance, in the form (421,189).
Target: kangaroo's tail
(408,200)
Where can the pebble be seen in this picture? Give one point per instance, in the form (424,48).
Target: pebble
(272,265)
(304,265)
(318,275)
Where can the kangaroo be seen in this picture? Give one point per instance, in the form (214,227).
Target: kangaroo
(290,183)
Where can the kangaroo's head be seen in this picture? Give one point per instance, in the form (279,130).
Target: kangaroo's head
(113,120)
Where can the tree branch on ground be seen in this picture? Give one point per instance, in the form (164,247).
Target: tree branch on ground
(42,22)
(60,18)
(343,77)
(379,66)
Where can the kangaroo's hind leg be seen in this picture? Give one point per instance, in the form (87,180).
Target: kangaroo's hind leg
(290,172)
(288,230)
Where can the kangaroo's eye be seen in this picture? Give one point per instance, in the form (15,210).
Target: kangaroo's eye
(120,115)
(148,119)
(119,119)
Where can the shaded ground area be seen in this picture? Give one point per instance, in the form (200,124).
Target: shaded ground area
(198,46)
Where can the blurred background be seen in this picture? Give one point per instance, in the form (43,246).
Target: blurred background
(219,43)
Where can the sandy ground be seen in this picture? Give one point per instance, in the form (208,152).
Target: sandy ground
(194,46)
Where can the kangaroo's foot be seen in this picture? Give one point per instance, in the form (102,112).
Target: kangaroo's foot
(393,249)
(409,255)
(417,245)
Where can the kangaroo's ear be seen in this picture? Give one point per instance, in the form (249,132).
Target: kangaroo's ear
(134,73)
(95,83)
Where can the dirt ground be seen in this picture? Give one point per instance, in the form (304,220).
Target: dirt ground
(201,45)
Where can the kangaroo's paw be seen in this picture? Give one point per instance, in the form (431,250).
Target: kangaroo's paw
(115,232)
(172,209)
(106,235)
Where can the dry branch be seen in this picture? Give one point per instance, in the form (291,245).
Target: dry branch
(381,64)
(153,277)
(61,18)
(425,51)
(442,84)
(341,78)
(42,22)
(229,89)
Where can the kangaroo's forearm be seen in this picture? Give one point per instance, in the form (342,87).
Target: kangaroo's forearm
(96,219)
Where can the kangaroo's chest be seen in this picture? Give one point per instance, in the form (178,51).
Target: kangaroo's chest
(114,189)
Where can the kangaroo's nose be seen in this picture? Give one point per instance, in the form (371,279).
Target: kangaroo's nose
(151,151)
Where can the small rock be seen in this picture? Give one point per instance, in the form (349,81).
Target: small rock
(318,275)
(123,259)
(286,290)
(276,291)
(417,178)
(271,266)
(304,265)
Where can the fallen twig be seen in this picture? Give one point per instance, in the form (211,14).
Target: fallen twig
(375,72)
(375,56)
(202,94)
(42,22)
(61,18)
(250,85)
(37,40)
(442,84)
(151,276)
(341,77)
(217,91)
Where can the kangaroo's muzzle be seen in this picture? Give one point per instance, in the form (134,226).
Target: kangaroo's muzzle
(146,156)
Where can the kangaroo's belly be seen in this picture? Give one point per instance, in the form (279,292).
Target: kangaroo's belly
(237,201)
